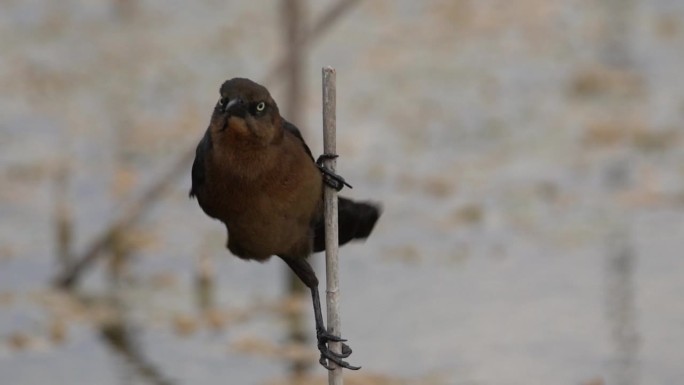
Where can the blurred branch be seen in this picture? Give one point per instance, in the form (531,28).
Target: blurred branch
(294,25)
(125,9)
(321,26)
(620,291)
(621,311)
(132,211)
(121,340)
(618,34)
(204,282)
(130,214)
(63,219)
(118,333)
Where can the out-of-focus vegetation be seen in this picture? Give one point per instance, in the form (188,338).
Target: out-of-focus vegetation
(528,155)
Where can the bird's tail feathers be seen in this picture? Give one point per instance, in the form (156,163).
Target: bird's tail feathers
(356,221)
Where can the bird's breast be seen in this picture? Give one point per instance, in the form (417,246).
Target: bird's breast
(265,214)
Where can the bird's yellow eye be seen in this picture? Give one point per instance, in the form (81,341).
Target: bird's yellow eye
(260,107)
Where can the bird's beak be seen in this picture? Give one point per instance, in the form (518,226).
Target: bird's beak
(230,104)
(234,107)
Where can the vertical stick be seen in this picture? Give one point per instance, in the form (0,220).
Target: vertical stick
(331,224)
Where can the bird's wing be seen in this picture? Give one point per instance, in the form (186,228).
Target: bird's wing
(198,172)
(292,129)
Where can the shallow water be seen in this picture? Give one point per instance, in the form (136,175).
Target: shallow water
(532,187)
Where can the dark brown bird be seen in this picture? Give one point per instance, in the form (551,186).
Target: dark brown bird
(254,172)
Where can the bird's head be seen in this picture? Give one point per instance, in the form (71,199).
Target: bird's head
(247,113)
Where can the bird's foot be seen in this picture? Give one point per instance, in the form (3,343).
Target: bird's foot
(328,356)
(330,178)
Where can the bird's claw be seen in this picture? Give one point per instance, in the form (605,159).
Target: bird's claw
(330,178)
(328,356)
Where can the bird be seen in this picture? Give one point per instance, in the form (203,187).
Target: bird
(254,172)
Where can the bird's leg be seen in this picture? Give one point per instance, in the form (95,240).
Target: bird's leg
(323,337)
(304,271)
(330,178)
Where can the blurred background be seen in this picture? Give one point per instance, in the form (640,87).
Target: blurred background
(528,156)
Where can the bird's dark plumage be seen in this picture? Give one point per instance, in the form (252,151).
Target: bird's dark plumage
(254,172)
(291,128)
(198,173)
